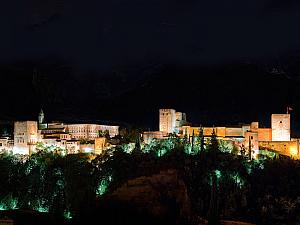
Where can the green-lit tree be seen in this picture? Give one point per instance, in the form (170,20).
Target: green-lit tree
(9,167)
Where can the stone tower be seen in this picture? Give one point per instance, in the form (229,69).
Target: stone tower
(167,120)
(41,121)
(41,117)
(281,130)
(25,137)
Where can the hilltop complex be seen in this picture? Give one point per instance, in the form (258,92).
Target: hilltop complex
(92,138)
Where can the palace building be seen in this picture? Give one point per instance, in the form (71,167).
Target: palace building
(73,138)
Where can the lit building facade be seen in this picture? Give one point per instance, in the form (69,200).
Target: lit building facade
(6,144)
(100,145)
(170,121)
(25,137)
(90,131)
(83,131)
(69,146)
(281,128)
(167,120)
(180,119)
(148,136)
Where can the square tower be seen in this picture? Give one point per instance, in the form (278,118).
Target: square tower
(25,137)
(167,120)
(281,130)
(100,145)
(180,119)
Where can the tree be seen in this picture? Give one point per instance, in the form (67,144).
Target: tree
(104,133)
(78,175)
(213,213)
(242,150)
(250,151)
(225,146)
(214,144)
(201,139)
(138,147)
(193,142)
(185,138)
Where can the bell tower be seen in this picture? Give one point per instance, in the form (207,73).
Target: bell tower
(41,121)
(41,117)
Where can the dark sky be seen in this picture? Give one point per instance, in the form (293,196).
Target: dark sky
(100,34)
(210,58)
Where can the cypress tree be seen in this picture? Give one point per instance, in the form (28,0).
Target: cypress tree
(138,148)
(201,139)
(185,138)
(214,145)
(250,150)
(193,140)
(213,214)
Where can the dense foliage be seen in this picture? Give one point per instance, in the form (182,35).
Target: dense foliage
(219,183)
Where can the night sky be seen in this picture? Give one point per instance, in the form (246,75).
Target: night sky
(102,34)
(121,60)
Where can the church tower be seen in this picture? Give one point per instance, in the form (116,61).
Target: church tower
(41,120)
(41,117)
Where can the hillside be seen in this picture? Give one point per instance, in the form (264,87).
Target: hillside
(222,95)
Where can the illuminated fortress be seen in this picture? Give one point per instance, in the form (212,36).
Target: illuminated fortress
(249,136)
